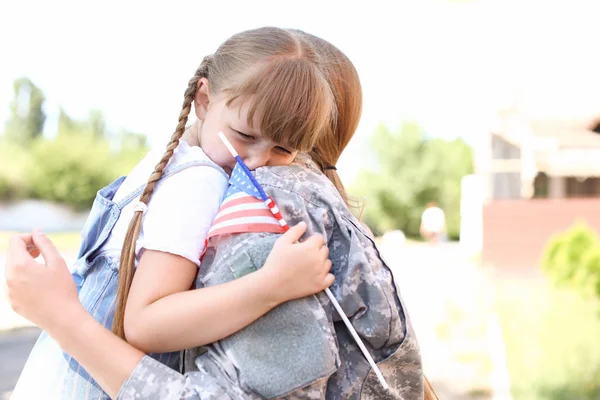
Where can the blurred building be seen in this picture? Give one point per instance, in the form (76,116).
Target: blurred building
(534,178)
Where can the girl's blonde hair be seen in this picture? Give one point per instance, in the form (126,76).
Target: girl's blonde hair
(283,78)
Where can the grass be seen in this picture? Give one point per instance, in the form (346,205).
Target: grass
(552,339)
(64,241)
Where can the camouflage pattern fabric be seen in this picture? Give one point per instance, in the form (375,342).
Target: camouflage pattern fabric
(301,350)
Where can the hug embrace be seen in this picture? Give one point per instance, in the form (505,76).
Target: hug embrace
(187,286)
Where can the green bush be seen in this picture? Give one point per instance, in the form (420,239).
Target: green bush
(13,161)
(572,259)
(10,189)
(551,338)
(69,169)
(5,188)
(72,168)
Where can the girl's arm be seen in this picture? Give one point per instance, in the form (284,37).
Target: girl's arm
(163,315)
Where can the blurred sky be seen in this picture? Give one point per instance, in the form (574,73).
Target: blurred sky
(445,64)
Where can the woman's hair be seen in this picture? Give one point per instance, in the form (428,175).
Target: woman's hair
(281,75)
(343,80)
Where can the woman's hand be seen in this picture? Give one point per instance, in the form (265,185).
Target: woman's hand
(294,270)
(46,294)
(42,293)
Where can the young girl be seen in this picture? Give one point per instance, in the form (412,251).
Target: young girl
(267,91)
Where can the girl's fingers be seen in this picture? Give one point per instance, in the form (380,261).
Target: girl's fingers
(316,240)
(329,279)
(294,233)
(324,252)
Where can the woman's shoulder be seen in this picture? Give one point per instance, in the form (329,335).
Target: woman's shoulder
(304,180)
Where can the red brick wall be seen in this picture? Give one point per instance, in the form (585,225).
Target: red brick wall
(516,231)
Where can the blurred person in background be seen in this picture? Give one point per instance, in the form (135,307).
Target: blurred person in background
(433,224)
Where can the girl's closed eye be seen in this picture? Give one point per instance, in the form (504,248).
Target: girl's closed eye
(283,150)
(243,135)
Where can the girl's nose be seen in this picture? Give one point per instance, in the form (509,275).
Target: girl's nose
(257,160)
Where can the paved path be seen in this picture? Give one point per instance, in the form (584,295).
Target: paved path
(14,349)
(450,301)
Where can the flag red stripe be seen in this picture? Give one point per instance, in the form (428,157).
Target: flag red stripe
(244,228)
(241,200)
(242,214)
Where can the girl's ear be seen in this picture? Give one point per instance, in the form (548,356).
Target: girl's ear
(202,98)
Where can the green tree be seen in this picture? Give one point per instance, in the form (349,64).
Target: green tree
(411,171)
(131,141)
(132,148)
(66,125)
(94,126)
(27,117)
(72,167)
(69,168)
(96,123)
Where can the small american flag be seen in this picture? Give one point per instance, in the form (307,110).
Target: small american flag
(243,209)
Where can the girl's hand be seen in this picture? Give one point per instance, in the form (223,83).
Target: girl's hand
(296,270)
(42,293)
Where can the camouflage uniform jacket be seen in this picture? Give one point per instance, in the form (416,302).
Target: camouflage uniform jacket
(301,349)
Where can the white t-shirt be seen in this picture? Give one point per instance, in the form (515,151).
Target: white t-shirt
(433,219)
(181,209)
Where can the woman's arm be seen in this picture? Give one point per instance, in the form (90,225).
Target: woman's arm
(123,371)
(162,315)
(107,358)
(46,295)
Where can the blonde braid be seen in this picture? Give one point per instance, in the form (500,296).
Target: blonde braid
(127,263)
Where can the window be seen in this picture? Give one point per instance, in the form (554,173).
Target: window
(581,187)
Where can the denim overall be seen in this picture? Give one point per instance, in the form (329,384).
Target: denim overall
(96,275)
